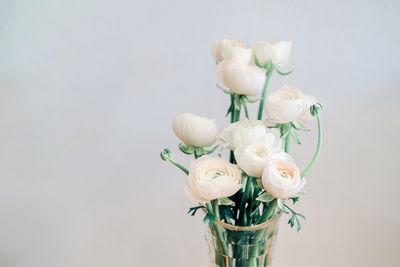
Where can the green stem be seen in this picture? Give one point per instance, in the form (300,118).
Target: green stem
(246,112)
(179,166)
(233,107)
(270,70)
(242,214)
(215,209)
(287,143)
(235,116)
(268,212)
(305,172)
(236,113)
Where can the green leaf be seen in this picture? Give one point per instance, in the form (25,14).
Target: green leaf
(283,73)
(192,211)
(299,126)
(295,137)
(258,62)
(199,151)
(265,197)
(186,149)
(252,100)
(291,221)
(210,150)
(226,213)
(209,219)
(281,206)
(225,91)
(274,126)
(226,201)
(259,183)
(297,197)
(294,219)
(230,110)
(285,129)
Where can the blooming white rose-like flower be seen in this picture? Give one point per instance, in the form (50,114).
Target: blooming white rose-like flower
(212,178)
(231,50)
(194,130)
(247,132)
(277,51)
(241,78)
(281,177)
(253,158)
(289,104)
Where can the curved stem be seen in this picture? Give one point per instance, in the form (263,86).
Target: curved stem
(179,166)
(306,170)
(264,93)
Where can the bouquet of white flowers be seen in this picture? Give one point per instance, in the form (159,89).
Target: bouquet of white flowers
(244,197)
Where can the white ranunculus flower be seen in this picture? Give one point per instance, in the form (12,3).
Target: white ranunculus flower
(231,50)
(285,105)
(212,178)
(277,51)
(194,130)
(253,158)
(306,116)
(247,132)
(281,177)
(241,78)
(289,104)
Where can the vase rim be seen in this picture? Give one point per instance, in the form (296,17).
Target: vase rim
(249,228)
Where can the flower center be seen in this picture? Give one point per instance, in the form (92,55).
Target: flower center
(216,174)
(285,173)
(259,151)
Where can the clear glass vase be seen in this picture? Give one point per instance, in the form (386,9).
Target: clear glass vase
(242,246)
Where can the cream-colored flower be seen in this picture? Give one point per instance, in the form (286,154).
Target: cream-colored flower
(241,78)
(247,132)
(194,130)
(277,51)
(212,178)
(253,158)
(231,50)
(289,104)
(281,177)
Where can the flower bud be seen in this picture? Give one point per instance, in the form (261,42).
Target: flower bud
(231,50)
(194,130)
(166,154)
(276,51)
(240,78)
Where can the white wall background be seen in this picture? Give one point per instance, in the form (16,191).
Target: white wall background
(87,92)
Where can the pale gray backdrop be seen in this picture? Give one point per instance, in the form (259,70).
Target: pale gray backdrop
(87,92)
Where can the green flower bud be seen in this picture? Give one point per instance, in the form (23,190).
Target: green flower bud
(315,109)
(166,154)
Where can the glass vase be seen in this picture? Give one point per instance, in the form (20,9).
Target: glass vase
(242,246)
